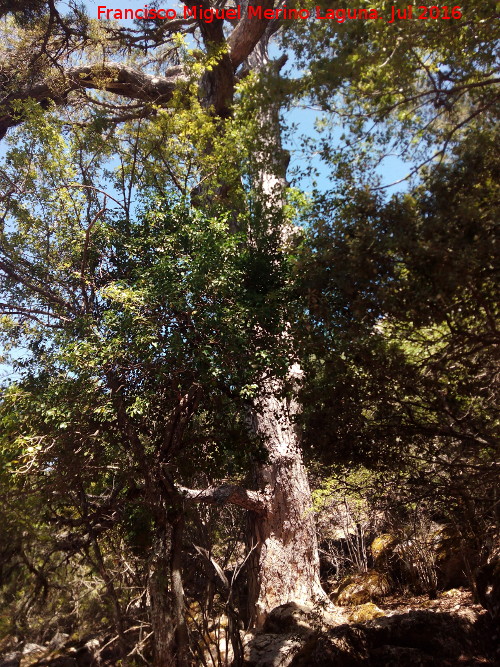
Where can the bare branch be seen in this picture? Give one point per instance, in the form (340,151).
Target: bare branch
(247,33)
(224,494)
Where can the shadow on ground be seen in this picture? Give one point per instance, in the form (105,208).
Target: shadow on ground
(414,638)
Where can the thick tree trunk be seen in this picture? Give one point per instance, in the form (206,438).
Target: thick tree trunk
(284,563)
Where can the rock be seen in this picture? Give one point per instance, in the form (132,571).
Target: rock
(395,656)
(302,619)
(29,649)
(429,560)
(452,593)
(31,654)
(487,580)
(382,548)
(93,645)
(291,617)
(366,612)
(345,646)
(453,558)
(288,632)
(58,640)
(271,650)
(360,588)
(414,638)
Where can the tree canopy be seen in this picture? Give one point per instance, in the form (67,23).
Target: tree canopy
(187,327)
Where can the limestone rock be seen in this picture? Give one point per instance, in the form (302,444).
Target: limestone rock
(291,617)
(345,646)
(382,548)
(488,586)
(58,640)
(365,612)
(434,558)
(361,588)
(288,632)
(272,650)
(452,593)
(31,654)
(395,656)
(414,638)
(453,557)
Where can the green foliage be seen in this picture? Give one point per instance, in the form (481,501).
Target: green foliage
(403,312)
(147,323)
(148,280)
(412,87)
(162,296)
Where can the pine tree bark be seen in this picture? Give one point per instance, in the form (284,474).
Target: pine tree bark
(284,561)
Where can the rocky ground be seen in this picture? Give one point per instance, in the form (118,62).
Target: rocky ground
(401,631)
(398,631)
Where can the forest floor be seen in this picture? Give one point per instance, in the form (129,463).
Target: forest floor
(400,630)
(455,600)
(483,646)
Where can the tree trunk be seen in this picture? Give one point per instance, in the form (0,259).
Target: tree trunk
(162,620)
(176,520)
(284,564)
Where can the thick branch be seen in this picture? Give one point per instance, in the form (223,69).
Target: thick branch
(176,424)
(247,33)
(19,276)
(120,79)
(109,76)
(224,494)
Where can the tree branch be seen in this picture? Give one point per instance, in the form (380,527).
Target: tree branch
(109,76)
(247,33)
(217,83)
(19,277)
(224,494)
